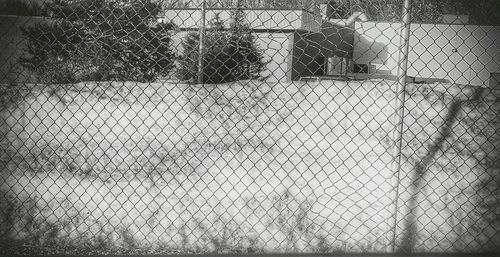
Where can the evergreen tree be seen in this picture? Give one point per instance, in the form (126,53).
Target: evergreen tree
(21,8)
(99,40)
(229,55)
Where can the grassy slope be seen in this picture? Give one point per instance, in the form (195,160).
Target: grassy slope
(240,167)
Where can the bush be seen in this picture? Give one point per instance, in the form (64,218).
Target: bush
(99,40)
(229,55)
(21,8)
(481,12)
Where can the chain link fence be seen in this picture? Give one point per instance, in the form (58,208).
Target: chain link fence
(294,126)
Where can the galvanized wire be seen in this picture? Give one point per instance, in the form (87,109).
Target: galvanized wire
(294,127)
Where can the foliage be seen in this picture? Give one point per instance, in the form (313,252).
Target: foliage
(21,8)
(229,55)
(481,12)
(169,4)
(99,40)
(484,12)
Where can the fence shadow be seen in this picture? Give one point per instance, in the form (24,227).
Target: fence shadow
(410,230)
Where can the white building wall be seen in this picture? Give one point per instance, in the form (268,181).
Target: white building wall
(277,50)
(378,44)
(463,54)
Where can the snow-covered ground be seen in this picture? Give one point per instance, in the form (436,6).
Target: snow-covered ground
(247,166)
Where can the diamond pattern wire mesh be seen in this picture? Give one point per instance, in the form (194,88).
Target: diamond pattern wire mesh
(110,145)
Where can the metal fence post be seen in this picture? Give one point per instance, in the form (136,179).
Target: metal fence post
(399,107)
(201,45)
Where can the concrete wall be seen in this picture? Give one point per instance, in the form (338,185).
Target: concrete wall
(463,54)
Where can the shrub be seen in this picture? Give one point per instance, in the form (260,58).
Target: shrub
(21,8)
(229,55)
(99,40)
